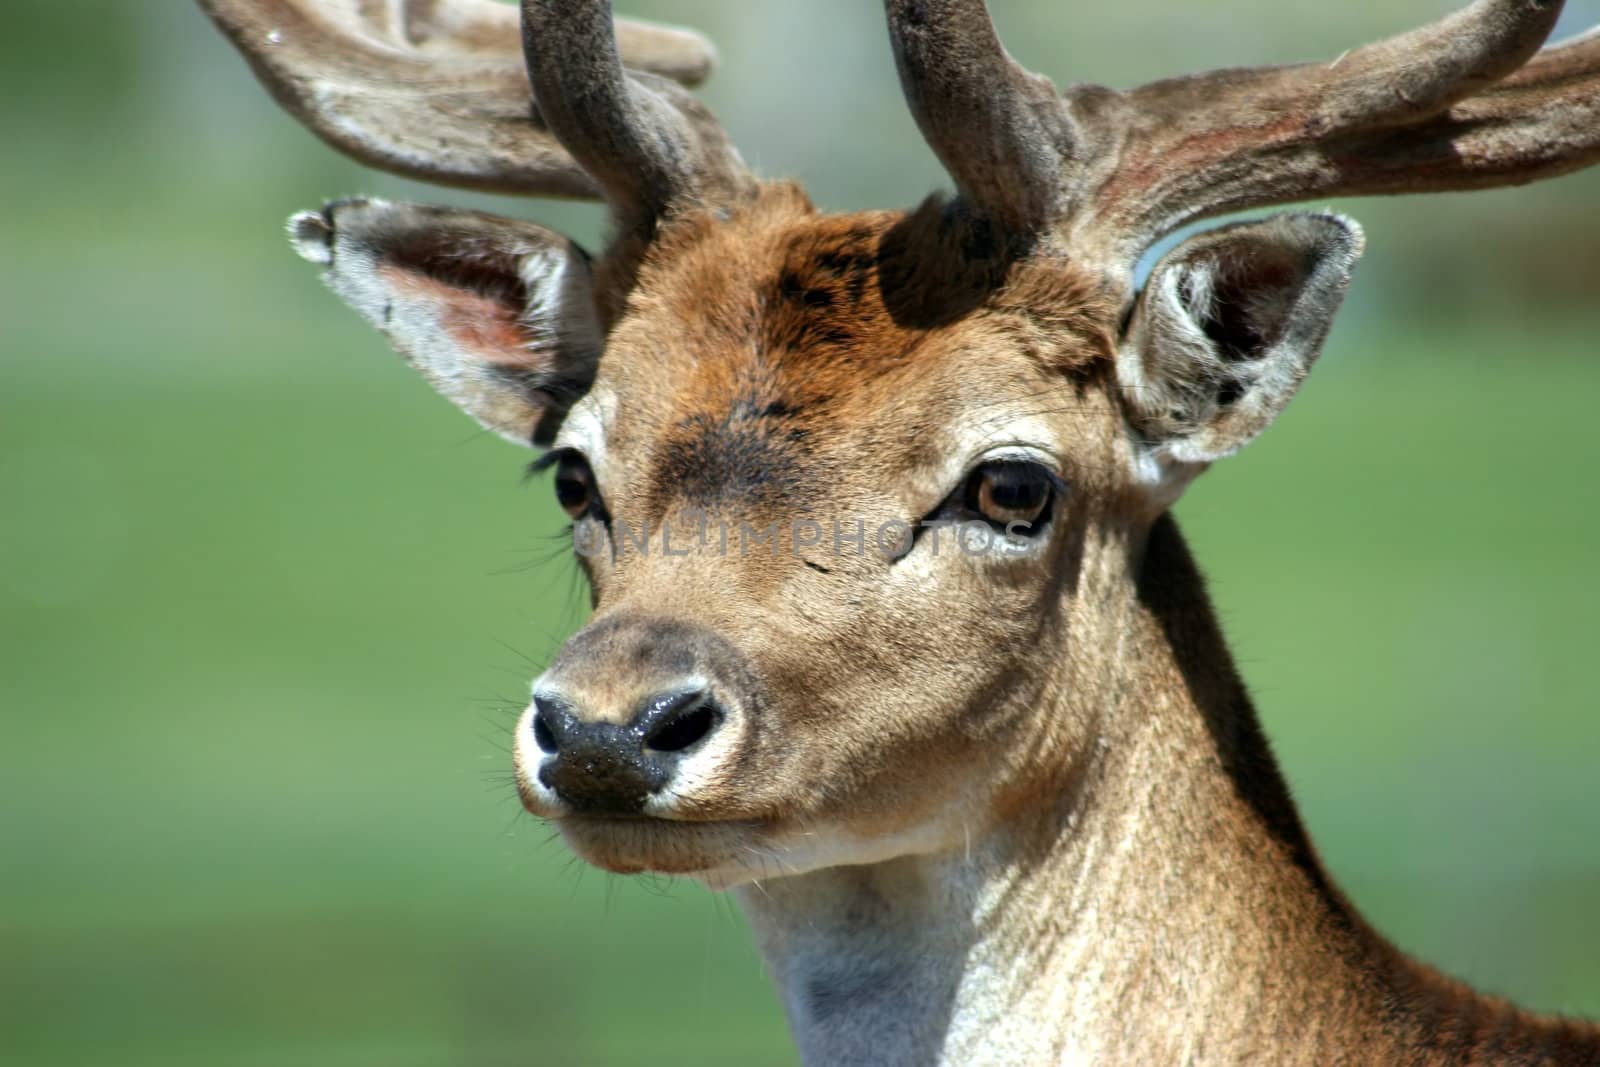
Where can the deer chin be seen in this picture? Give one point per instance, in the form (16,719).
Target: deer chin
(728,854)
(721,854)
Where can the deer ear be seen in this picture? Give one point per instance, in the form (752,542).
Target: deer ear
(1227,328)
(498,315)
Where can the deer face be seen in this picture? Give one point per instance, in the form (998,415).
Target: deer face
(827,483)
(835,482)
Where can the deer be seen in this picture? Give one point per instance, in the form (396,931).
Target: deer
(1010,805)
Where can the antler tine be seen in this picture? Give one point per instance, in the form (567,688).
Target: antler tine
(650,146)
(1429,109)
(683,55)
(1541,122)
(429,89)
(1417,74)
(1000,131)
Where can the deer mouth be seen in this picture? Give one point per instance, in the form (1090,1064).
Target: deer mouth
(638,844)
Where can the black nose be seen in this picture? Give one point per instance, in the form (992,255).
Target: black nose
(606,768)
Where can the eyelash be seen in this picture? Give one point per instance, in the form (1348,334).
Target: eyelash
(546,461)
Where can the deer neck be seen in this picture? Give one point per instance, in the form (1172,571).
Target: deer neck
(1145,911)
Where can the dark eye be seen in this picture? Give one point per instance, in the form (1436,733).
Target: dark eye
(574,485)
(1011,494)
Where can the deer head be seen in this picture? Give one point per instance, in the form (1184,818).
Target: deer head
(741,395)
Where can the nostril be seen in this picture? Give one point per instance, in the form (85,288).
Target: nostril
(683,726)
(543,734)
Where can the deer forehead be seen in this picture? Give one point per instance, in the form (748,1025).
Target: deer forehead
(788,355)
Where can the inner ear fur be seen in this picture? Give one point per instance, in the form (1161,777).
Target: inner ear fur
(497,314)
(1227,328)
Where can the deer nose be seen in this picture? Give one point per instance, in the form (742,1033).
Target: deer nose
(607,768)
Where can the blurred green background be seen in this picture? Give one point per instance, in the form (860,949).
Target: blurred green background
(268,606)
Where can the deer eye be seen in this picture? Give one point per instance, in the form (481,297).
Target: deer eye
(574,485)
(1010,494)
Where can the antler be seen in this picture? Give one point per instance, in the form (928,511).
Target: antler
(1000,131)
(647,142)
(1467,102)
(432,89)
